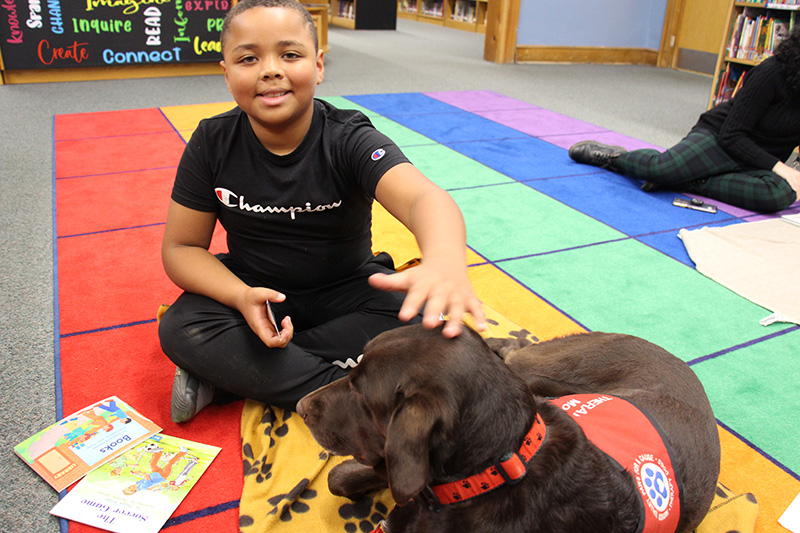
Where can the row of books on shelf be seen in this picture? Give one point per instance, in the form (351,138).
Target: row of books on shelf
(347,9)
(772,2)
(729,83)
(463,10)
(408,6)
(755,37)
(433,8)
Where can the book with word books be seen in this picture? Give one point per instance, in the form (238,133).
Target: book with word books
(75,445)
(139,490)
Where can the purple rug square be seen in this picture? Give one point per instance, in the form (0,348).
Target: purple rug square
(539,122)
(605,137)
(722,206)
(791,210)
(479,100)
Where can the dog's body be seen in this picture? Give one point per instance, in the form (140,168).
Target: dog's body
(421,410)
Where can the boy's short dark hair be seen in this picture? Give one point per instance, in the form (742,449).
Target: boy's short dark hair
(244,5)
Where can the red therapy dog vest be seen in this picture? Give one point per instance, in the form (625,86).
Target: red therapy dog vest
(628,436)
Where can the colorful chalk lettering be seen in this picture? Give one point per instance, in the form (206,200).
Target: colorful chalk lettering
(43,34)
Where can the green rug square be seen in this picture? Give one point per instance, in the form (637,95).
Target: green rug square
(628,287)
(343,103)
(450,169)
(753,391)
(513,220)
(398,133)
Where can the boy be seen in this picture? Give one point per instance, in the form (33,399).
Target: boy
(292,180)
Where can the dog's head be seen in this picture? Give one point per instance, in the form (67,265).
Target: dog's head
(415,406)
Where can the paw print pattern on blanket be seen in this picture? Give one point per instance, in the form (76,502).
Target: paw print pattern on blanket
(365,514)
(253,466)
(296,501)
(286,480)
(524,334)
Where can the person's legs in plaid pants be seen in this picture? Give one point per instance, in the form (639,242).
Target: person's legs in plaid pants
(698,164)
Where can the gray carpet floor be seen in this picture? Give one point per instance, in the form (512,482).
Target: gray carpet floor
(655,105)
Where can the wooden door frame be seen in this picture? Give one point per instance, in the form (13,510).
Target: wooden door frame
(667,56)
(500,41)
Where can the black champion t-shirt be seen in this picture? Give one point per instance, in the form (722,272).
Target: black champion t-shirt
(294,222)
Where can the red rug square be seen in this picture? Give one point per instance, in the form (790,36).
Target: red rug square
(110,123)
(113,201)
(128,362)
(112,278)
(115,277)
(88,157)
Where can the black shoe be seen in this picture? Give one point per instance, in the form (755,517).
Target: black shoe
(189,396)
(595,153)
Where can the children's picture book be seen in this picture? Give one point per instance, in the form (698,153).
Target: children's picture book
(139,490)
(69,449)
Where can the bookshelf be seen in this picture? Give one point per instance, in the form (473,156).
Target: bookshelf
(468,15)
(754,29)
(364,14)
(319,13)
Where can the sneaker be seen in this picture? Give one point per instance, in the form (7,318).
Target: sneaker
(189,396)
(595,153)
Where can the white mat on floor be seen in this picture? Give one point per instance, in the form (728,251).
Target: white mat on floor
(759,261)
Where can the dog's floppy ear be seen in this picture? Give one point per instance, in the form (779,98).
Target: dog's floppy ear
(408,442)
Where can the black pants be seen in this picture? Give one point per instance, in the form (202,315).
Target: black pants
(213,342)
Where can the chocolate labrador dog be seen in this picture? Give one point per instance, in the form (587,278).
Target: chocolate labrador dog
(594,432)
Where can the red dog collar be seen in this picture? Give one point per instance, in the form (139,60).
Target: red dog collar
(509,470)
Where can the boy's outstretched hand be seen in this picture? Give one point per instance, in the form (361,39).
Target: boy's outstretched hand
(441,289)
(440,283)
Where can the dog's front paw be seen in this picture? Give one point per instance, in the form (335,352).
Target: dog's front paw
(351,479)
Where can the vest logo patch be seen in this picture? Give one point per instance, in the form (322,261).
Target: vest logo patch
(377,154)
(656,485)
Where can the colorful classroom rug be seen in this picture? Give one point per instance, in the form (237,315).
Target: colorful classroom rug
(554,248)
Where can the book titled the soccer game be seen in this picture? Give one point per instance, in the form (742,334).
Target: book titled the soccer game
(139,490)
(75,445)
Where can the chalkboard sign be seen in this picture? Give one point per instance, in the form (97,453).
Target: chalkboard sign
(41,34)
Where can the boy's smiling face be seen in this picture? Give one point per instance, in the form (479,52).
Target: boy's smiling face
(272,70)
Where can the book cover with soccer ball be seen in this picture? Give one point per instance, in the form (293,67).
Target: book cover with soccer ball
(139,490)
